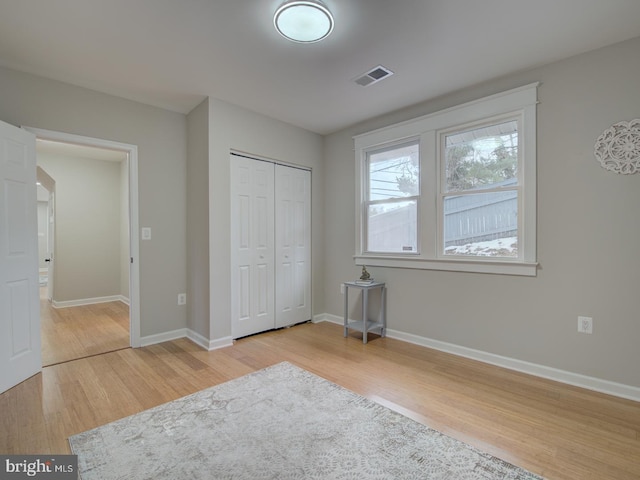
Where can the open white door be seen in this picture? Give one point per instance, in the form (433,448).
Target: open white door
(20,356)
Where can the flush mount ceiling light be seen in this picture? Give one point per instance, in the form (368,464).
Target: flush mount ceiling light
(303,21)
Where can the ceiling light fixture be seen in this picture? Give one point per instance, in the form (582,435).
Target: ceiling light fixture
(303,21)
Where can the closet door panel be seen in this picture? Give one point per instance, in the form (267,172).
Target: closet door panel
(252,246)
(293,245)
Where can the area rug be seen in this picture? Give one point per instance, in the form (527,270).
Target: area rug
(278,423)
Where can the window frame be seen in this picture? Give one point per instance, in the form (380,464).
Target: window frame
(519,103)
(443,193)
(367,202)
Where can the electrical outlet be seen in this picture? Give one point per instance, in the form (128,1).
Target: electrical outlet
(182,299)
(585,324)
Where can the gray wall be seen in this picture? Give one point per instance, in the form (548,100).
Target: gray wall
(161,139)
(87,233)
(198,220)
(232,127)
(587,233)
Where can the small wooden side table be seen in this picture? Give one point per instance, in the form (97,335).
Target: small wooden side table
(365,325)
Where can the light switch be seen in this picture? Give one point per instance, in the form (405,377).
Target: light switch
(146,233)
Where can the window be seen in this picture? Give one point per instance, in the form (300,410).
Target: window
(454,190)
(393,190)
(480,190)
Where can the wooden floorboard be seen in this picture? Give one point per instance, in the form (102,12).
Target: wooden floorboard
(555,430)
(76,332)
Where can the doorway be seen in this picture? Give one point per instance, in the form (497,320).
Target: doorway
(90,302)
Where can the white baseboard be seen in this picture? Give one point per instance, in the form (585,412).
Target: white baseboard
(198,339)
(195,337)
(163,337)
(207,344)
(89,301)
(217,343)
(591,383)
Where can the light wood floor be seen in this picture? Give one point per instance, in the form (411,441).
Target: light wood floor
(555,430)
(77,332)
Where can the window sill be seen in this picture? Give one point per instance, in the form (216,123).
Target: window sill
(453,265)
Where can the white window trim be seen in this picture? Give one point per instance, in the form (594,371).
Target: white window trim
(521,102)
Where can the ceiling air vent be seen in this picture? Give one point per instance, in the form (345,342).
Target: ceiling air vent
(373,76)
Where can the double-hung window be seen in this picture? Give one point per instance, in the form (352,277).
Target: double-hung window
(480,190)
(392,195)
(454,190)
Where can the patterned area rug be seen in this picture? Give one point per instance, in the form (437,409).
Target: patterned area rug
(278,423)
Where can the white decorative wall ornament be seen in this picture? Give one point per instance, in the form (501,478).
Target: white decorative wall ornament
(618,148)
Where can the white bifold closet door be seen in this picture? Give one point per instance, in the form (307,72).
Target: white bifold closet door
(293,245)
(270,245)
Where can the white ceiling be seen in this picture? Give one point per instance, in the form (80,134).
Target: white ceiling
(174,53)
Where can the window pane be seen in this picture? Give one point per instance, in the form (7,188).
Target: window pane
(392,227)
(394,173)
(485,157)
(484,224)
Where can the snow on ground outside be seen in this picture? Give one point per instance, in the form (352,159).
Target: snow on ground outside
(501,247)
